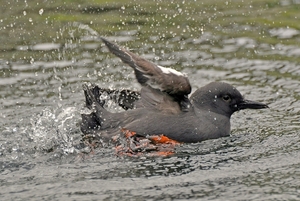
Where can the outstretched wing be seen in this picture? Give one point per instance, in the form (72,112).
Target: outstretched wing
(167,80)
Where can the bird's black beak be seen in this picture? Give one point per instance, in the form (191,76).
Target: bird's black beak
(248,104)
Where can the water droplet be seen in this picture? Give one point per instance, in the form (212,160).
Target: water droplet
(24,13)
(41,11)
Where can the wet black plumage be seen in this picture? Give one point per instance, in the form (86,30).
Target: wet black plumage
(163,106)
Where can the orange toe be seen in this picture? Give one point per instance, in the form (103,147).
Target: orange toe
(152,145)
(128,133)
(161,139)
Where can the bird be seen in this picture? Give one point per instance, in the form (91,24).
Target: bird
(163,106)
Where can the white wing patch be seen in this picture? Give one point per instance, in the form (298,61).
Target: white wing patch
(170,70)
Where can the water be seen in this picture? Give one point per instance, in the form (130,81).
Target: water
(41,100)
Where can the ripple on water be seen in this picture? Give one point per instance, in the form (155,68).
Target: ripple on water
(46,46)
(40,138)
(284,33)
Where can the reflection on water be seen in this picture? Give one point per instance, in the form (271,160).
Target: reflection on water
(41,99)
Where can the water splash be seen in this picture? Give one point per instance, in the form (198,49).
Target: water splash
(54,129)
(77,30)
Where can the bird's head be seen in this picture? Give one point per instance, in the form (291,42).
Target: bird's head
(222,98)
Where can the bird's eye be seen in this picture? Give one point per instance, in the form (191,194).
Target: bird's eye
(226,98)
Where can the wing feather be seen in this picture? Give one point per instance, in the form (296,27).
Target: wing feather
(167,80)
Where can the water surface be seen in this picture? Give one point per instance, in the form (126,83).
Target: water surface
(50,49)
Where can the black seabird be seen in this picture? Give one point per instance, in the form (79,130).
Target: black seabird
(163,107)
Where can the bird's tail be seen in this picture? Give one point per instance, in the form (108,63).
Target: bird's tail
(95,99)
(92,122)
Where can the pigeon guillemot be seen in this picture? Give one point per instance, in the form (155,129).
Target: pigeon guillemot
(162,107)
